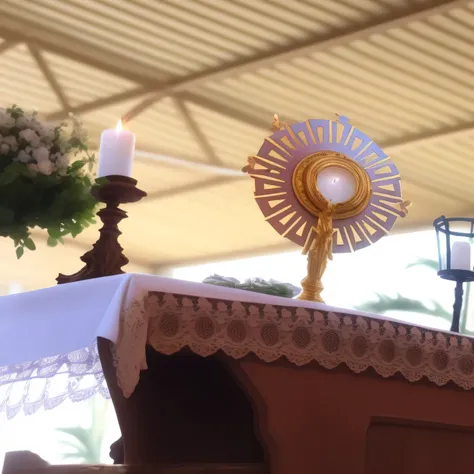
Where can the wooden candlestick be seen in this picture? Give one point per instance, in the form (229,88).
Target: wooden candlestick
(106,257)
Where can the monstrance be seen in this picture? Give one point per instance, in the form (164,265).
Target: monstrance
(327,187)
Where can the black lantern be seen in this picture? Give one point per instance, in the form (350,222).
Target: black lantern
(454,256)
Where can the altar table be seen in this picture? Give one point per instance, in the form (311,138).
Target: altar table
(294,362)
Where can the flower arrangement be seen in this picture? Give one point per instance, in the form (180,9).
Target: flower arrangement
(44,180)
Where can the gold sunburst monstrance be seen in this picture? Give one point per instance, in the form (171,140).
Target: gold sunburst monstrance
(327,187)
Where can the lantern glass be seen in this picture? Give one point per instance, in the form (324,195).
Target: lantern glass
(454,237)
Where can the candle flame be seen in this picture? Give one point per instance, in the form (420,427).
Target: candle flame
(119,126)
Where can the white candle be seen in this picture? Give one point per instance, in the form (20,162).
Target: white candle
(336,184)
(461,256)
(116,152)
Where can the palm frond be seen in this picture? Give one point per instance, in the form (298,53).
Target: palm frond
(424,262)
(85,444)
(76,432)
(384,304)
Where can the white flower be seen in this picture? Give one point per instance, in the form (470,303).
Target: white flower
(45,167)
(62,161)
(30,136)
(47,133)
(23,122)
(6,120)
(41,154)
(10,140)
(4,149)
(23,156)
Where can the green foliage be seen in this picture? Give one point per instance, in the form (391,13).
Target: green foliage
(384,304)
(84,445)
(257,285)
(80,446)
(424,262)
(44,180)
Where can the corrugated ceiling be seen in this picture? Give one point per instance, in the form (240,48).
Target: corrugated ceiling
(200,81)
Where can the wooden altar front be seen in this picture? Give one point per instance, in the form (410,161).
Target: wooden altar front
(220,380)
(296,391)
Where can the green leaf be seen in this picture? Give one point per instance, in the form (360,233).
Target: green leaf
(54,232)
(8,177)
(19,252)
(101,181)
(76,229)
(29,244)
(52,242)
(76,166)
(15,167)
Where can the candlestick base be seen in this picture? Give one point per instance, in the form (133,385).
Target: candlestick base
(460,277)
(106,257)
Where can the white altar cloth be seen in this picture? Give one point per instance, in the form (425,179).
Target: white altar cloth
(48,349)
(70,317)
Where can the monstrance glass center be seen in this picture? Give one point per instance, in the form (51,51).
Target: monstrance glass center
(336,184)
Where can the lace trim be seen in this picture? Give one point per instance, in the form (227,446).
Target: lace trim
(47,382)
(129,353)
(301,335)
(171,322)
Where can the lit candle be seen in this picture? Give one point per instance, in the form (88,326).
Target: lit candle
(461,256)
(336,184)
(116,152)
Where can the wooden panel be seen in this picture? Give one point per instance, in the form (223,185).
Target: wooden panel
(313,420)
(412,447)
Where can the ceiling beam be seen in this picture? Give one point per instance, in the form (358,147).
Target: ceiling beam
(257,117)
(389,147)
(6,45)
(14,27)
(192,164)
(221,171)
(195,186)
(195,131)
(429,137)
(416,11)
(50,77)
(97,104)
